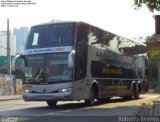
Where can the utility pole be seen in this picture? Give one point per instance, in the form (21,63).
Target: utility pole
(8,50)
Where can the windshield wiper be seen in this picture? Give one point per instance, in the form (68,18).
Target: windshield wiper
(40,74)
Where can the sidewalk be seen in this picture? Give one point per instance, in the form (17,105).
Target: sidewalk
(10,97)
(151,109)
(156,107)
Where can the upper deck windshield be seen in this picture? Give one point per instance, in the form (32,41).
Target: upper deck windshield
(52,35)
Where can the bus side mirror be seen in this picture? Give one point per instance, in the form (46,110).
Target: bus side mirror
(14,62)
(18,73)
(71,59)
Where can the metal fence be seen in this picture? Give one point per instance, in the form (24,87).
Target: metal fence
(154,87)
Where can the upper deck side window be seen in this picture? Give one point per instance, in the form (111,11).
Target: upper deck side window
(115,43)
(101,38)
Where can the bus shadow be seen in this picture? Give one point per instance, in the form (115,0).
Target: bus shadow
(83,105)
(71,109)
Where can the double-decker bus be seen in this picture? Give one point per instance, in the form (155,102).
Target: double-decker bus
(65,61)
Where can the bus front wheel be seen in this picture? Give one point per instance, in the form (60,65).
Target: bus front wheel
(91,100)
(51,103)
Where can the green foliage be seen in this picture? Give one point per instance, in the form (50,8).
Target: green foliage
(153,65)
(152,5)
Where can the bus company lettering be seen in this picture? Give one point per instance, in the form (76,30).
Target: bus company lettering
(110,55)
(127,59)
(112,71)
(59,49)
(39,51)
(101,54)
(49,50)
(117,87)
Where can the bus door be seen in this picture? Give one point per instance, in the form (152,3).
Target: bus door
(81,51)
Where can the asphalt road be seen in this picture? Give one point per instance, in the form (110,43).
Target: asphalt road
(113,110)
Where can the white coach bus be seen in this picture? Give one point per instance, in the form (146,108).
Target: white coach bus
(65,61)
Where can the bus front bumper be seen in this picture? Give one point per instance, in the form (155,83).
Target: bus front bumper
(47,96)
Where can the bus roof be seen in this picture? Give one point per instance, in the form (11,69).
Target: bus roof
(65,22)
(54,22)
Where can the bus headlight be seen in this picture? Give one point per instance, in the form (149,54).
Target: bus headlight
(27,91)
(27,88)
(65,90)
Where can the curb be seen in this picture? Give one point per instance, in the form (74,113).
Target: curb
(12,97)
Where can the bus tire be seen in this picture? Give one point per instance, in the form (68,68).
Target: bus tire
(52,103)
(133,93)
(137,95)
(91,100)
(132,96)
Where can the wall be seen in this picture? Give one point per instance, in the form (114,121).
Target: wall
(9,85)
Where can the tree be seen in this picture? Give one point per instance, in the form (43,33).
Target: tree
(152,5)
(153,50)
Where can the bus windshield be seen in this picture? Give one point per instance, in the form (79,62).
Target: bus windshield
(52,35)
(47,68)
